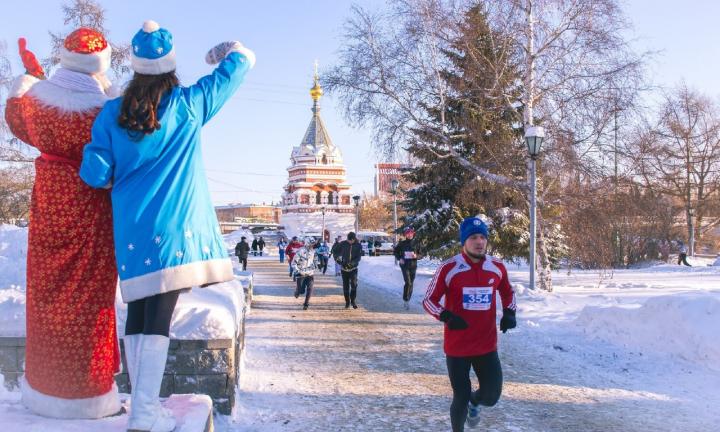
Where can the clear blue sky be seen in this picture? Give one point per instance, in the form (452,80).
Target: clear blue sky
(247,146)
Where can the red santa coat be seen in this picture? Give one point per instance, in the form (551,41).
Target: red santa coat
(71,349)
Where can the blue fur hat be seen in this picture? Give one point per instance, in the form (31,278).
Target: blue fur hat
(470,226)
(152,50)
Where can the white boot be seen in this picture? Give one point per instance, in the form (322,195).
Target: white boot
(132,355)
(146,413)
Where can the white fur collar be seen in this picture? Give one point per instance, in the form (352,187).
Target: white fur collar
(53,95)
(21,85)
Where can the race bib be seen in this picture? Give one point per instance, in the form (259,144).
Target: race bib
(477,298)
(410,255)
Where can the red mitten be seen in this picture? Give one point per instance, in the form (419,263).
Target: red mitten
(32,66)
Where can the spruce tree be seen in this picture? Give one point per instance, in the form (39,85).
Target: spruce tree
(481,120)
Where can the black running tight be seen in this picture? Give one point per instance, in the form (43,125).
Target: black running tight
(489,373)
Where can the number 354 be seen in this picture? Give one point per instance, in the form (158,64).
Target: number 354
(479,298)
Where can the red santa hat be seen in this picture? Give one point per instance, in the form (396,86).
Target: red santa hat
(85,50)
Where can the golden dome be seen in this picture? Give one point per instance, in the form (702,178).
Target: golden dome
(316,91)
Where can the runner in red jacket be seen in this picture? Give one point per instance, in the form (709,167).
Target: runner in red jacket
(469,281)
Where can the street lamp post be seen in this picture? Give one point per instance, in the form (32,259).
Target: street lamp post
(691,217)
(534,136)
(394,183)
(356,198)
(322,231)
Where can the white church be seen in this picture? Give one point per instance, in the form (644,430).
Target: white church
(317,196)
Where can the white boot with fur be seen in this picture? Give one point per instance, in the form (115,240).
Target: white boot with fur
(146,413)
(132,355)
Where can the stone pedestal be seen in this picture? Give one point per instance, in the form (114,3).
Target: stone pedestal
(205,367)
(12,360)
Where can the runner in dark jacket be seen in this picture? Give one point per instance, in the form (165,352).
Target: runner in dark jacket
(241,251)
(261,245)
(348,254)
(333,249)
(406,252)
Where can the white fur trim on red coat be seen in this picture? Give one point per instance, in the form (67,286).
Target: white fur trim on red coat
(87,63)
(22,85)
(88,408)
(53,95)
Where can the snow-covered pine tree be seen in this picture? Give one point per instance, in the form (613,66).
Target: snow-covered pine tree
(483,129)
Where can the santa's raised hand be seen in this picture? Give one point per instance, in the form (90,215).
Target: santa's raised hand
(32,66)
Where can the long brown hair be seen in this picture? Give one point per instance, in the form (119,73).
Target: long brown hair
(138,113)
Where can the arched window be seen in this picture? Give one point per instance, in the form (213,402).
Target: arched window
(318,198)
(330,197)
(324,159)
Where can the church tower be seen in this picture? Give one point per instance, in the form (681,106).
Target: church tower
(317,195)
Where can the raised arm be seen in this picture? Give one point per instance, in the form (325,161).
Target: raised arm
(14,111)
(211,92)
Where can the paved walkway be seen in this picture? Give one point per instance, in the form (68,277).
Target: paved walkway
(381,368)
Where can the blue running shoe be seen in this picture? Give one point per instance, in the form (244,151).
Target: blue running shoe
(473,415)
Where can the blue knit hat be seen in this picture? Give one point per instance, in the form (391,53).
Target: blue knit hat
(152,50)
(470,226)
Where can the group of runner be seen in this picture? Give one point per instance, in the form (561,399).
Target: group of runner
(310,255)
(468,281)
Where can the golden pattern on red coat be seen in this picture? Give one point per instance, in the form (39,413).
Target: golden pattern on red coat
(85,41)
(71,347)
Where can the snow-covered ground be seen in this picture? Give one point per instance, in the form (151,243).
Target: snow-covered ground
(636,346)
(664,309)
(654,329)
(594,355)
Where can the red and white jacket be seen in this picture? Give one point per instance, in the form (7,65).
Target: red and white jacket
(469,290)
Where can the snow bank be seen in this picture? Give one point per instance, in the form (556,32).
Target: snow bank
(13,256)
(337,224)
(686,325)
(7,395)
(207,313)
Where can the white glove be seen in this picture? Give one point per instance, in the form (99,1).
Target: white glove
(221,50)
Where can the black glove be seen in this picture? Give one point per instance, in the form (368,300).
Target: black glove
(454,322)
(508,320)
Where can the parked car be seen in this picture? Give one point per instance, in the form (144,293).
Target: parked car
(375,243)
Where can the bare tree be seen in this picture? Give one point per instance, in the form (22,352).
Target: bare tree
(375,214)
(15,186)
(16,174)
(679,155)
(571,56)
(86,13)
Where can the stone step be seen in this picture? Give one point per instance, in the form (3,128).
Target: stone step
(192,411)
